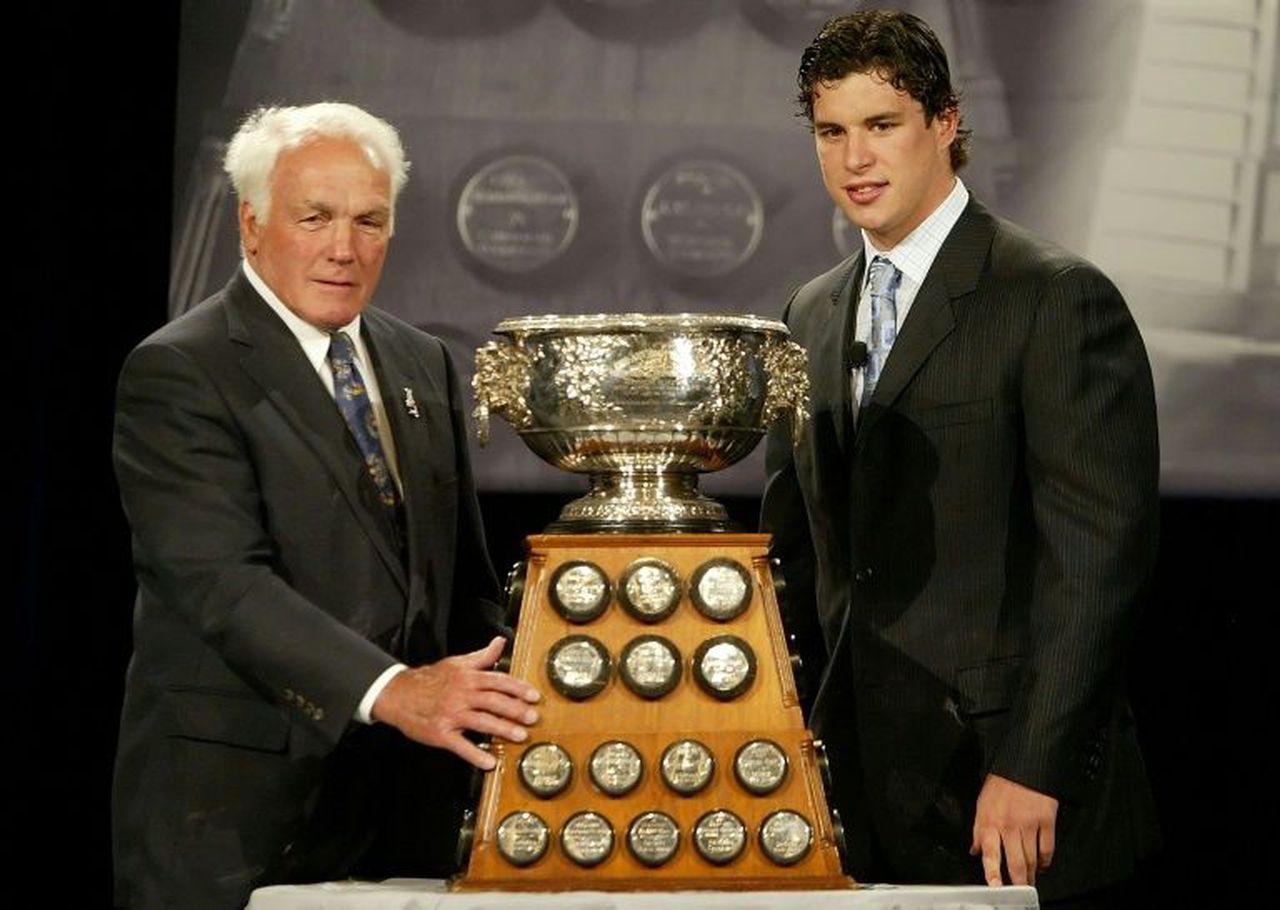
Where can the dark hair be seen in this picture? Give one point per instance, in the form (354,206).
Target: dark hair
(896,45)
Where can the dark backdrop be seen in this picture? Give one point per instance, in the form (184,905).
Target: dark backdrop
(104,116)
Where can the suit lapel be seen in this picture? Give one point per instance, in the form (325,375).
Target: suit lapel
(273,358)
(954,273)
(833,349)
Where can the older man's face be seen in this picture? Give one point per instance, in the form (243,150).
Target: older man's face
(323,244)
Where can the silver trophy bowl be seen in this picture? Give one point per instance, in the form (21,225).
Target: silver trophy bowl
(642,404)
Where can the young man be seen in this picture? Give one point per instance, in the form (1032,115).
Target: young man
(308,548)
(972,511)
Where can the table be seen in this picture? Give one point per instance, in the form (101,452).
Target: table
(432,894)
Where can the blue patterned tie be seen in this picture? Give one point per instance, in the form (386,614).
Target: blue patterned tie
(353,401)
(883,279)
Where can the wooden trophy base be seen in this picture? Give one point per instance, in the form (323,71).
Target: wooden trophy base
(540,856)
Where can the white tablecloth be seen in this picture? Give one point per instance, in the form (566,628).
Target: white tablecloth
(431,894)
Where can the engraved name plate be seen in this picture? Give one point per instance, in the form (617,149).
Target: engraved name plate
(578,666)
(760,766)
(785,837)
(650,666)
(522,838)
(724,666)
(653,838)
(650,589)
(580,591)
(687,766)
(721,589)
(616,767)
(545,769)
(587,838)
(719,836)
(702,218)
(517,213)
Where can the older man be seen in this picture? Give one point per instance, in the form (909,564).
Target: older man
(308,551)
(973,507)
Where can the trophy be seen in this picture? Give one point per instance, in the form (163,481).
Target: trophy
(671,753)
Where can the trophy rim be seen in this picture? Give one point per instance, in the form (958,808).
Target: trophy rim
(647,323)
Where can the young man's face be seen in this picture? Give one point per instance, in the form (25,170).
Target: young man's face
(883,165)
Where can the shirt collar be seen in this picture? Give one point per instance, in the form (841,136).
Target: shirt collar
(314,341)
(915,253)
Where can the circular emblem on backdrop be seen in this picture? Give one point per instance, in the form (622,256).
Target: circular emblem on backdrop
(580,591)
(517,214)
(522,838)
(719,836)
(578,666)
(724,666)
(636,20)
(441,20)
(616,767)
(720,589)
(702,218)
(587,838)
(785,837)
(653,838)
(545,769)
(794,23)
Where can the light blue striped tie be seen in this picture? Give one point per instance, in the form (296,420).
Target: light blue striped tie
(883,279)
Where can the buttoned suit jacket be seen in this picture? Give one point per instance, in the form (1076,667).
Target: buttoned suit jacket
(974,551)
(273,589)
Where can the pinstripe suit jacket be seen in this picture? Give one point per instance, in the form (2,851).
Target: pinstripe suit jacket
(272,590)
(974,553)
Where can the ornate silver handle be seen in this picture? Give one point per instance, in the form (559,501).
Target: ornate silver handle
(501,383)
(787,391)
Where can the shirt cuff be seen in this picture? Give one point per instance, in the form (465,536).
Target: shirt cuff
(364,710)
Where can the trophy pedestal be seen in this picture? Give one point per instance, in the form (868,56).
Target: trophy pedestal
(705,813)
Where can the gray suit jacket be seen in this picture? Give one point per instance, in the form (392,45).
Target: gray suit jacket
(974,552)
(273,588)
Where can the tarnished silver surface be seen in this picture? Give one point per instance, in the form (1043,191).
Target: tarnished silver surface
(642,404)
(522,838)
(721,589)
(650,666)
(653,838)
(785,837)
(578,666)
(616,767)
(545,769)
(760,766)
(719,836)
(687,766)
(587,838)
(650,589)
(580,591)
(724,666)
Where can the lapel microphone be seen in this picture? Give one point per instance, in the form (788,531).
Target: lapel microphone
(857,355)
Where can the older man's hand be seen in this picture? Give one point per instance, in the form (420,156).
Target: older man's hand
(435,703)
(1018,823)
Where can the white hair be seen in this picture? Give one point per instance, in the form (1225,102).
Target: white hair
(268,131)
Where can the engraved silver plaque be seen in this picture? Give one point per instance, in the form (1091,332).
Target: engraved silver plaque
(650,589)
(580,591)
(545,769)
(785,837)
(522,838)
(578,666)
(587,838)
(760,766)
(616,767)
(724,666)
(517,213)
(719,836)
(687,766)
(702,218)
(721,589)
(653,838)
(650,666)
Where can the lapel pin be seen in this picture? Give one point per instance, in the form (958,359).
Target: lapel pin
(410,403)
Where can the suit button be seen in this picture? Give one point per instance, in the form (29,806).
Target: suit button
(862,576)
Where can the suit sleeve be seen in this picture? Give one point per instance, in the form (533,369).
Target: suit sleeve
(202,552)
(1092,466)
